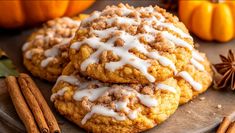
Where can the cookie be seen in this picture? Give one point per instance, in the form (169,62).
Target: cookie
(45,54)
(195,78)
(123,44)
(114,108)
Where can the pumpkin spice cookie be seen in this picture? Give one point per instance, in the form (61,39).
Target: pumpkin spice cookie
(195,78)
(46,51)
(123,44)
(114,108)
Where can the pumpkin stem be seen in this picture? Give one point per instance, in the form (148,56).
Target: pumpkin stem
(216,1)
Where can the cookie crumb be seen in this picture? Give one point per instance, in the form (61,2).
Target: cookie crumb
(219,106)
(202,98)
(188,112)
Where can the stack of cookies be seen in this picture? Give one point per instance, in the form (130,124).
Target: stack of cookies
(123,69)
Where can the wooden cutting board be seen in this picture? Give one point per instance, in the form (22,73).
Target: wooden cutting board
(198,116)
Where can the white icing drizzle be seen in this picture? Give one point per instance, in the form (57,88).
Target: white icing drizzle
(133,114)
(186,76)
(73,80)
(175,29)
(29,54)
(92,17)
(91,94)
(166,25)
(95,93)
(71,21)
(122,105)
(69,79)
(51,53)
(196,55)
(122,20)
(131,41)
(162,60)
(148,37)
(46,61)
(147,100)
(176,40)
(105,33)
(58,93)
(125,11)
(86,84)
(166,87)
(148,9)
(172,38)
(102,110)
(25,46)
(198,65)
(126,56)
(196,59)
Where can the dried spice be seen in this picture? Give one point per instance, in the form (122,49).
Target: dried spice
(227,69)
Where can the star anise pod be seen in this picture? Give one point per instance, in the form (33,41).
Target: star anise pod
(227,69)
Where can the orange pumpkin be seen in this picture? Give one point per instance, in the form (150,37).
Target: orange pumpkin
(209,20)
(18,13)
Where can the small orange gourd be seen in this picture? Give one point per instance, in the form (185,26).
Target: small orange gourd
(19,13)
(209,20)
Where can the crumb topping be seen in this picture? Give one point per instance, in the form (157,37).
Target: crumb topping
(135,36)
(52,40)
(117,98)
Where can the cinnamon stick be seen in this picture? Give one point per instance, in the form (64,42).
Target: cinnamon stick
(224,125)
(34,106)
(231,128)
(50,118)
(20,105)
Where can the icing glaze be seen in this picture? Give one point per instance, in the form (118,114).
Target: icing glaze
(122,105)
(29,54)
(147,100)
(94,93)
(25,46)
(122,20)
(91,94)
(166,87)
(102,110)
(49,35)
(198,65)
(59,93)
(196,55)
(176,41)
(196,59)
(126,56)
(186,76)
(133,114)
(92,17)
(131,41)
(46,61)
(69,79)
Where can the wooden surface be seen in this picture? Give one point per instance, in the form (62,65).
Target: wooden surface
(197,116)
